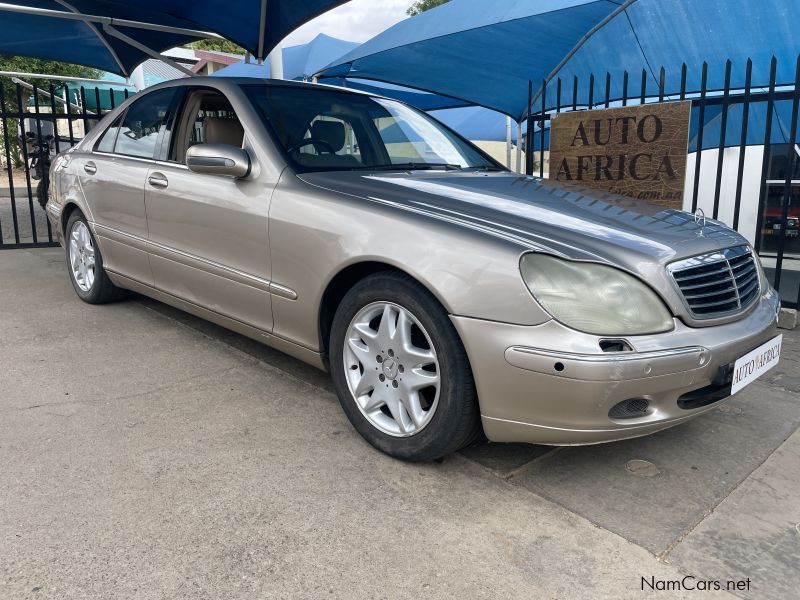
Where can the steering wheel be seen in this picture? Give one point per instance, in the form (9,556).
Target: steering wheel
(316,141)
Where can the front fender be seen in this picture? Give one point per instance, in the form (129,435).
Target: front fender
(316,233)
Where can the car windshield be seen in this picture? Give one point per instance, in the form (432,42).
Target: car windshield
(323,130)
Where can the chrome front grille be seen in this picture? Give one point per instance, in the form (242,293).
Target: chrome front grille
(717,284)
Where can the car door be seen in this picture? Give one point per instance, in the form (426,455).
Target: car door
(208,234)
(112,178)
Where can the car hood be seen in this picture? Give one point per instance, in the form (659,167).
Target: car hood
(537,214)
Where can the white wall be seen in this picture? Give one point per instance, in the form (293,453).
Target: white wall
(751,186)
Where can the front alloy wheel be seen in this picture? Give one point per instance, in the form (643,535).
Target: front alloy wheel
(392,369)
(400,370)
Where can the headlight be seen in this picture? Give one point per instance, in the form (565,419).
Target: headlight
(594,298)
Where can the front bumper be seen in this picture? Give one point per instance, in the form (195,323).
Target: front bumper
(549,384)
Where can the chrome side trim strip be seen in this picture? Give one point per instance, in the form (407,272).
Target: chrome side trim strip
(282,291)
(134,241)
(149,161)
(209,266)
(197,262)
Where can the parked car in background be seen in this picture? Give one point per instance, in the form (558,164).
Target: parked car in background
(447,296)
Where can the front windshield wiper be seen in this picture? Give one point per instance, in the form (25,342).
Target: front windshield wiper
(481,168)
(410,166)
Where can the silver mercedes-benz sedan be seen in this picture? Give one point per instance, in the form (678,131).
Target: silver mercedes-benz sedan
(448,297)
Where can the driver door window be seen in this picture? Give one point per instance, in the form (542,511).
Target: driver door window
(208,118)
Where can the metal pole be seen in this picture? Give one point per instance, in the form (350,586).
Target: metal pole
(581,42)
(138,78)
(262,28)
(56,77)
(275,59)
(508,141)
(519,147)
(43,93)
(149,51)
(100,37)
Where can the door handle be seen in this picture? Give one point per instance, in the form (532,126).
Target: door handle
(158,180)
(90,168)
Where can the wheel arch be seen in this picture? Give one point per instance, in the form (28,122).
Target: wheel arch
(66,213)
(345,279)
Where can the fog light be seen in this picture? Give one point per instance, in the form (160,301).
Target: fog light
(629,409)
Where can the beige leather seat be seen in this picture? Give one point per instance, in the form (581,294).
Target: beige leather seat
(332,133)
(223,131)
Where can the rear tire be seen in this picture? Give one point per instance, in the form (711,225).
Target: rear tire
(400,370)
(85,264)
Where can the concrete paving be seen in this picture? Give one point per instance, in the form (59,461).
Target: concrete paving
(20,208)
(147,454)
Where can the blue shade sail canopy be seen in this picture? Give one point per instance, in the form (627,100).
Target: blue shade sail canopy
(420,99)
(486,52)
(237,20)
(78,42)
(668,33)
(299,62)
(477,123)
(256,25)
(481,52)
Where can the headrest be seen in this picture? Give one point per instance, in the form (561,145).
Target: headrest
(331,132)
(223,131)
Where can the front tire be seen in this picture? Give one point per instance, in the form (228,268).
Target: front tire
(85,264)
(400,370)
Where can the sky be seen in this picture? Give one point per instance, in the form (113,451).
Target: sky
(356,21)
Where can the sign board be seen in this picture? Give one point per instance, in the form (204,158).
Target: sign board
(636,151)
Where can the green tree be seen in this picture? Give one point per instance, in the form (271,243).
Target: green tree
(24,64)
(216,45)
(423,5)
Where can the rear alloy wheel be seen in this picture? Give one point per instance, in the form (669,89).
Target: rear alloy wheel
(400,370)
(82,256)
(85,264)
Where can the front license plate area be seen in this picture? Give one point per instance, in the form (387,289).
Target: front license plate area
(755,363)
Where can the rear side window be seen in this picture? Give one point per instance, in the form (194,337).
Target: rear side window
(109,138)
(138,132)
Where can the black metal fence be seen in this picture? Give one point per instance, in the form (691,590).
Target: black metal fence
(36,124)
(744,157)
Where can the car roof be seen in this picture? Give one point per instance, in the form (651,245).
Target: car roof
(228,82)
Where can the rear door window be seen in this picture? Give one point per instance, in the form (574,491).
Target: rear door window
(142,123)
(109,138)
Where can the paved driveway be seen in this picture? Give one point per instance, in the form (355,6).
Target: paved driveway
(146,454)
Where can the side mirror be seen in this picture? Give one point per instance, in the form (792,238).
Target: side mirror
(218,159)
